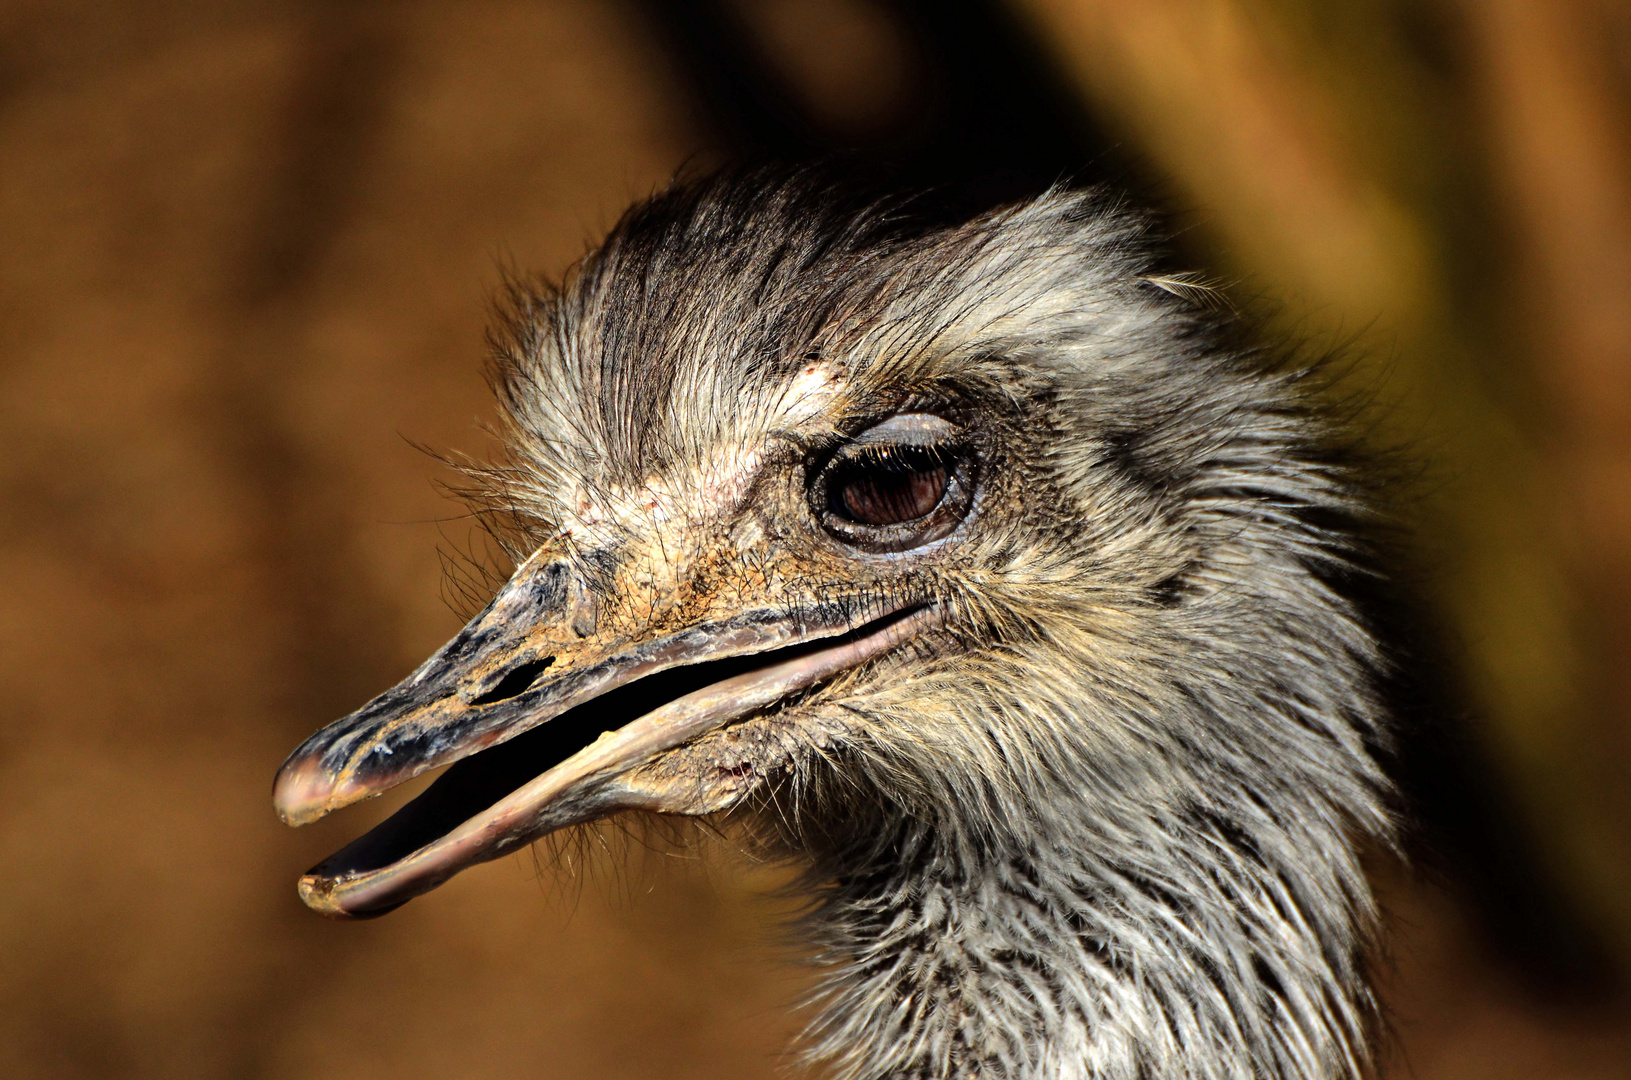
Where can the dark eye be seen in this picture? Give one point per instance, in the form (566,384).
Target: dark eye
(901,484)
(888,485)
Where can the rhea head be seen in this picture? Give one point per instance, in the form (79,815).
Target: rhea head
(974,564)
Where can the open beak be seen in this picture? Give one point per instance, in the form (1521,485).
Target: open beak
(616,702)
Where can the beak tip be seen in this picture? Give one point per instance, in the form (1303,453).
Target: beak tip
(302,792)
(318,893)
(323,895)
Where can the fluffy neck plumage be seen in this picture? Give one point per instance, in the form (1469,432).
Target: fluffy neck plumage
(1122,943)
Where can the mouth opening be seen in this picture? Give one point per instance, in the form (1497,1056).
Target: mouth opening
(472,785)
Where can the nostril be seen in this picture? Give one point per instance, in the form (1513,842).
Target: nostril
(515,681)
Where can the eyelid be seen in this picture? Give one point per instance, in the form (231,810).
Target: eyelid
(919,429)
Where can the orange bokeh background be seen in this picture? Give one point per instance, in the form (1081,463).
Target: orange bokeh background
(245,255)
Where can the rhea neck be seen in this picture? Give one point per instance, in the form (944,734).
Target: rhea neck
(1069,947)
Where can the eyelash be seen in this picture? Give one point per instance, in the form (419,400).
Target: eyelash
(886,455)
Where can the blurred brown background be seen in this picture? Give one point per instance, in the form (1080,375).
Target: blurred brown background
(245,252)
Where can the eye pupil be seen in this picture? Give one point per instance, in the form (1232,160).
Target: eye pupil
(890,496)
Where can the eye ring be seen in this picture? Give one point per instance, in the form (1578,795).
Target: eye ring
(899,485)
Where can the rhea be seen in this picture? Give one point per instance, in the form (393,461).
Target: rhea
(972,564)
